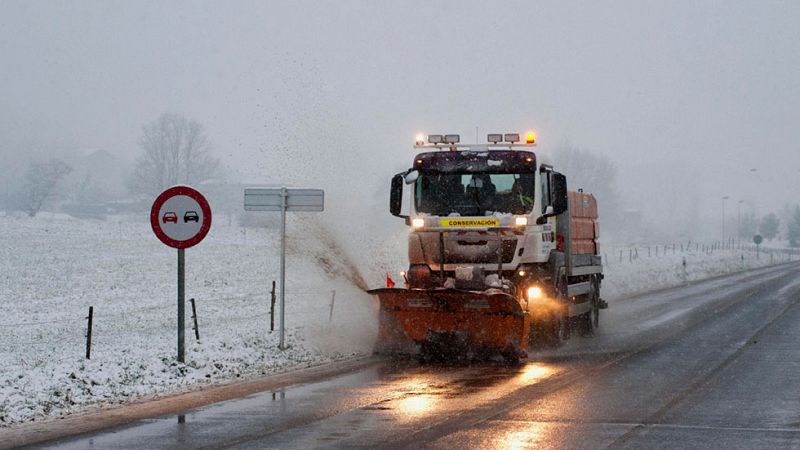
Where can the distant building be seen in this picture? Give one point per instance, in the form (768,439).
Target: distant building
(96,183)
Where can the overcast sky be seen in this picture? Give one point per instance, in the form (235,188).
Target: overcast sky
(672,91)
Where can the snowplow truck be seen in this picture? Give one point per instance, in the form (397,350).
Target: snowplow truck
(501,255)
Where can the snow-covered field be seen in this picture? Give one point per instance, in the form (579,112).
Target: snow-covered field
(54,267)
(634,269)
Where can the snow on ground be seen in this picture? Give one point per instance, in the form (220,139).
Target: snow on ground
(634,269)
(54,267)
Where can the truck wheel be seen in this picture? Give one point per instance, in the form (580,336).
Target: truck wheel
(511,355)
(589,321)
(430,353)
(559,331)
(595,303)
(586,324)
(548,333)
(565,330)
(564,321)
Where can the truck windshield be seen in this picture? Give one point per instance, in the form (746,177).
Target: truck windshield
(474,194)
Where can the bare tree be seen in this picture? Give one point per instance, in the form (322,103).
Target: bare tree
(175,151)
(40,180)
(748,225)
(794,228)
(593,172)
(769,226)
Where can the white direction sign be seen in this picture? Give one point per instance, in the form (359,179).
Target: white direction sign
(283,199)
(271,199)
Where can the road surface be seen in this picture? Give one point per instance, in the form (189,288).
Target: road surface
(712,365)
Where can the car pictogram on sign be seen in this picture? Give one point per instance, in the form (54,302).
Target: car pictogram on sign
(170,216)
(191,216)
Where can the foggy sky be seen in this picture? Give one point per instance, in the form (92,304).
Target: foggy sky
(687,94)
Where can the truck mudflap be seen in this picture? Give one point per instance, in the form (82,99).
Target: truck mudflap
(450,319)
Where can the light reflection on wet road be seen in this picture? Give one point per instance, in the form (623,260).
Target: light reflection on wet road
(716,364)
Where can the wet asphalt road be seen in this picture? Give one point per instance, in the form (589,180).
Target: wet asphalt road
(712,365)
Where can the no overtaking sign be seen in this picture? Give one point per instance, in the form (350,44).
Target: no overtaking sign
(180,218)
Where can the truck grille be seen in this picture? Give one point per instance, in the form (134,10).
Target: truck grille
(475,253)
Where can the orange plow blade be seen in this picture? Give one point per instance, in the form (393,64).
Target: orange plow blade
(452,320)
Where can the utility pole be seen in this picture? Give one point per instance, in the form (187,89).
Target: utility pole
(723,217)
(739,218)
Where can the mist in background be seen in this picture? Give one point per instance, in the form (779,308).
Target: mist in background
(690,102)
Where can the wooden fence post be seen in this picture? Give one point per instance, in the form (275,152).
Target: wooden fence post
(194,317)
(89,333)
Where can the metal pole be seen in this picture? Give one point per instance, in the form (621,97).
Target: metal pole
(723,217)
(89,334)
(739,218)
(181,300)
(282,345)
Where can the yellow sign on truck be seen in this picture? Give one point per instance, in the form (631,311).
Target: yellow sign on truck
(469,223)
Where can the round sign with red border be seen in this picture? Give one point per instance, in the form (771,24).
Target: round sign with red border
(180,217)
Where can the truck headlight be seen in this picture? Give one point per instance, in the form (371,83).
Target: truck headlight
(418,223)
(534,293)
(521,221)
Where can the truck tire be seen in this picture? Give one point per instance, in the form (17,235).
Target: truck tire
(550,332)
(590,321)
(512,355)
(595,303)
(565,328)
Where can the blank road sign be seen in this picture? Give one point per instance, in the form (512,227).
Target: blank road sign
(269,199)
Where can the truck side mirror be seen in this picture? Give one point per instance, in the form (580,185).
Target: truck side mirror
(560,199)
(396,195)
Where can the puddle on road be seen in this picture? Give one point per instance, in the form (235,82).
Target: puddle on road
(416,395)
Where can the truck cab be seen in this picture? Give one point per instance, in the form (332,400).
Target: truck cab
(486,211)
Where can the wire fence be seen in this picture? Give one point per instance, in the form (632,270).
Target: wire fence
(31,342)
(632,253)
(118,323)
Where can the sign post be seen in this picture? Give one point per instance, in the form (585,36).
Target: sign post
(283,199)
(181,305)
(284,195)
(181,218)
(757,239)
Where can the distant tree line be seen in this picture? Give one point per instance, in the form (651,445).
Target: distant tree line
(771,225)
(174,150)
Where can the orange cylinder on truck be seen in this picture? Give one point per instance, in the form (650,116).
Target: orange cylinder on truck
(584,224)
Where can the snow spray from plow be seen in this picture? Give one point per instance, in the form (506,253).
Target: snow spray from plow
(340,267)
